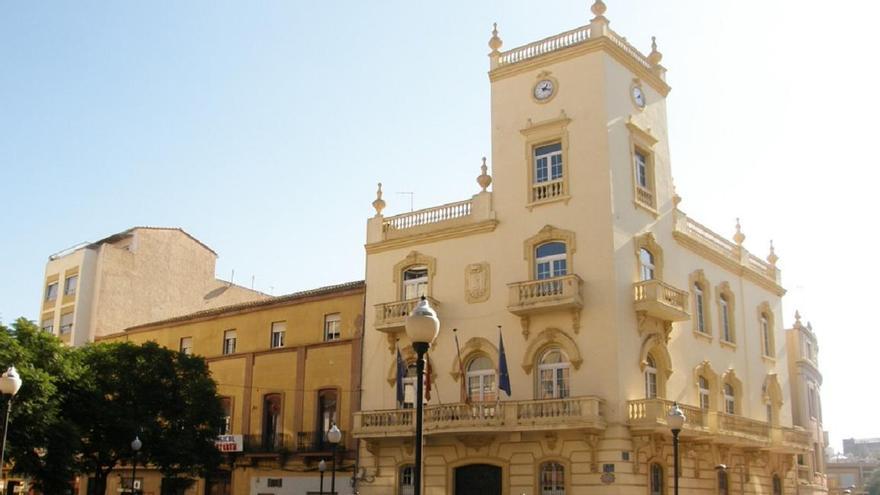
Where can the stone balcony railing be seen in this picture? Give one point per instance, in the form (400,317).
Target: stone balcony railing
(661,300)
(702,239)
(651,414)
(572,413)
(470,216)
(391,315)
(536,296)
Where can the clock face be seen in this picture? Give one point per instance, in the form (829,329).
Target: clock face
(638,96)
(544,89)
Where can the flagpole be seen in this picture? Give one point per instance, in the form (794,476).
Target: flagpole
(463,380)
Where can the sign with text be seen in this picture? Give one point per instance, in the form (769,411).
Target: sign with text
(229,443)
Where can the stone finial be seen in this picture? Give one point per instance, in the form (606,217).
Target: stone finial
(495,42)
(772,258)
(809,326)
(797,319)
(739,237)
(676,199)
(599,9)
(379,203)
(484,179)
(654,57)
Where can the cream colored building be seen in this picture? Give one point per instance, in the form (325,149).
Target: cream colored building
(806,403)
(139,275)
(613,303)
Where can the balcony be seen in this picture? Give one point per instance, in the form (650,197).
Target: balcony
(391,315)
(583,413)
(461,218)
(649,416)
(662,301)
(284,444)
(540,296)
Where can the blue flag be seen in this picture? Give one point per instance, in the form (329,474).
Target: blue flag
(503,376)
(401,372)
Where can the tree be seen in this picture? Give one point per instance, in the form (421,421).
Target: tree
(872,485)
(41,442)
(166,398)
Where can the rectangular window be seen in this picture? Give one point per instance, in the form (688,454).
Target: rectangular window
(273,482)
(725,320)
(52,291)
(279,328)
(548,162)
(48,324)
(229,338)
(765,332)
(66,323)
(704,399)
(811,401)
(70,285)
(226,405)
(186,345)
(332,327)
(770,413)
(641,169)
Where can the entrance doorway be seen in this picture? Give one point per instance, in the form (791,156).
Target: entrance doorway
(478,479)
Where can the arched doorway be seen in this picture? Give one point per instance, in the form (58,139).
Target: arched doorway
(478,479)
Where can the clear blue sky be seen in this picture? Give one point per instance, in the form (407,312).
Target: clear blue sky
(262,127)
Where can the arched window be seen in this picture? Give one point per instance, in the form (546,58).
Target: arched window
(777,485)
(552,479)
(704,393)
(646,260)
(415,282)
(553,375)
(699,303)
(481,380)
(766,336)
(656,479)
(724,304)
(271,421)
(550,260)
(406,481)
(729,399)
(651,378)
(722,482)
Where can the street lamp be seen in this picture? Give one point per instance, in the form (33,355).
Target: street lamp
(334,436)
(675,419)
(322,466)
(136,445)
(10,382)
(422,327)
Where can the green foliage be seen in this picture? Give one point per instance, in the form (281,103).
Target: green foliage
(79,409)
(872,485)
(40,442)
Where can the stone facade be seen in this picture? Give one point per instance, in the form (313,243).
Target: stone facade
(281,393)
(612,303)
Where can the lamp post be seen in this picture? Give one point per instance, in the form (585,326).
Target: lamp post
(322,466)
(675,419)
(136,445)
(422,327)
(334,436)
(10,382)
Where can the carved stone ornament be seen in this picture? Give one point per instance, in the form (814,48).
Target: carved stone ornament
(477,282)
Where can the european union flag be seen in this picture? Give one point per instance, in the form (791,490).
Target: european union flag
(503,376)
(401,372)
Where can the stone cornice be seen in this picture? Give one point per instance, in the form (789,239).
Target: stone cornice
(432,236)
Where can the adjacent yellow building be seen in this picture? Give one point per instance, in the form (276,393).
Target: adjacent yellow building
(612,302)
(286,368)
(138,275)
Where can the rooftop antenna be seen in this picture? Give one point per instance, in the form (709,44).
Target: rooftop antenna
(411,194)
(232,277)
(253,277)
